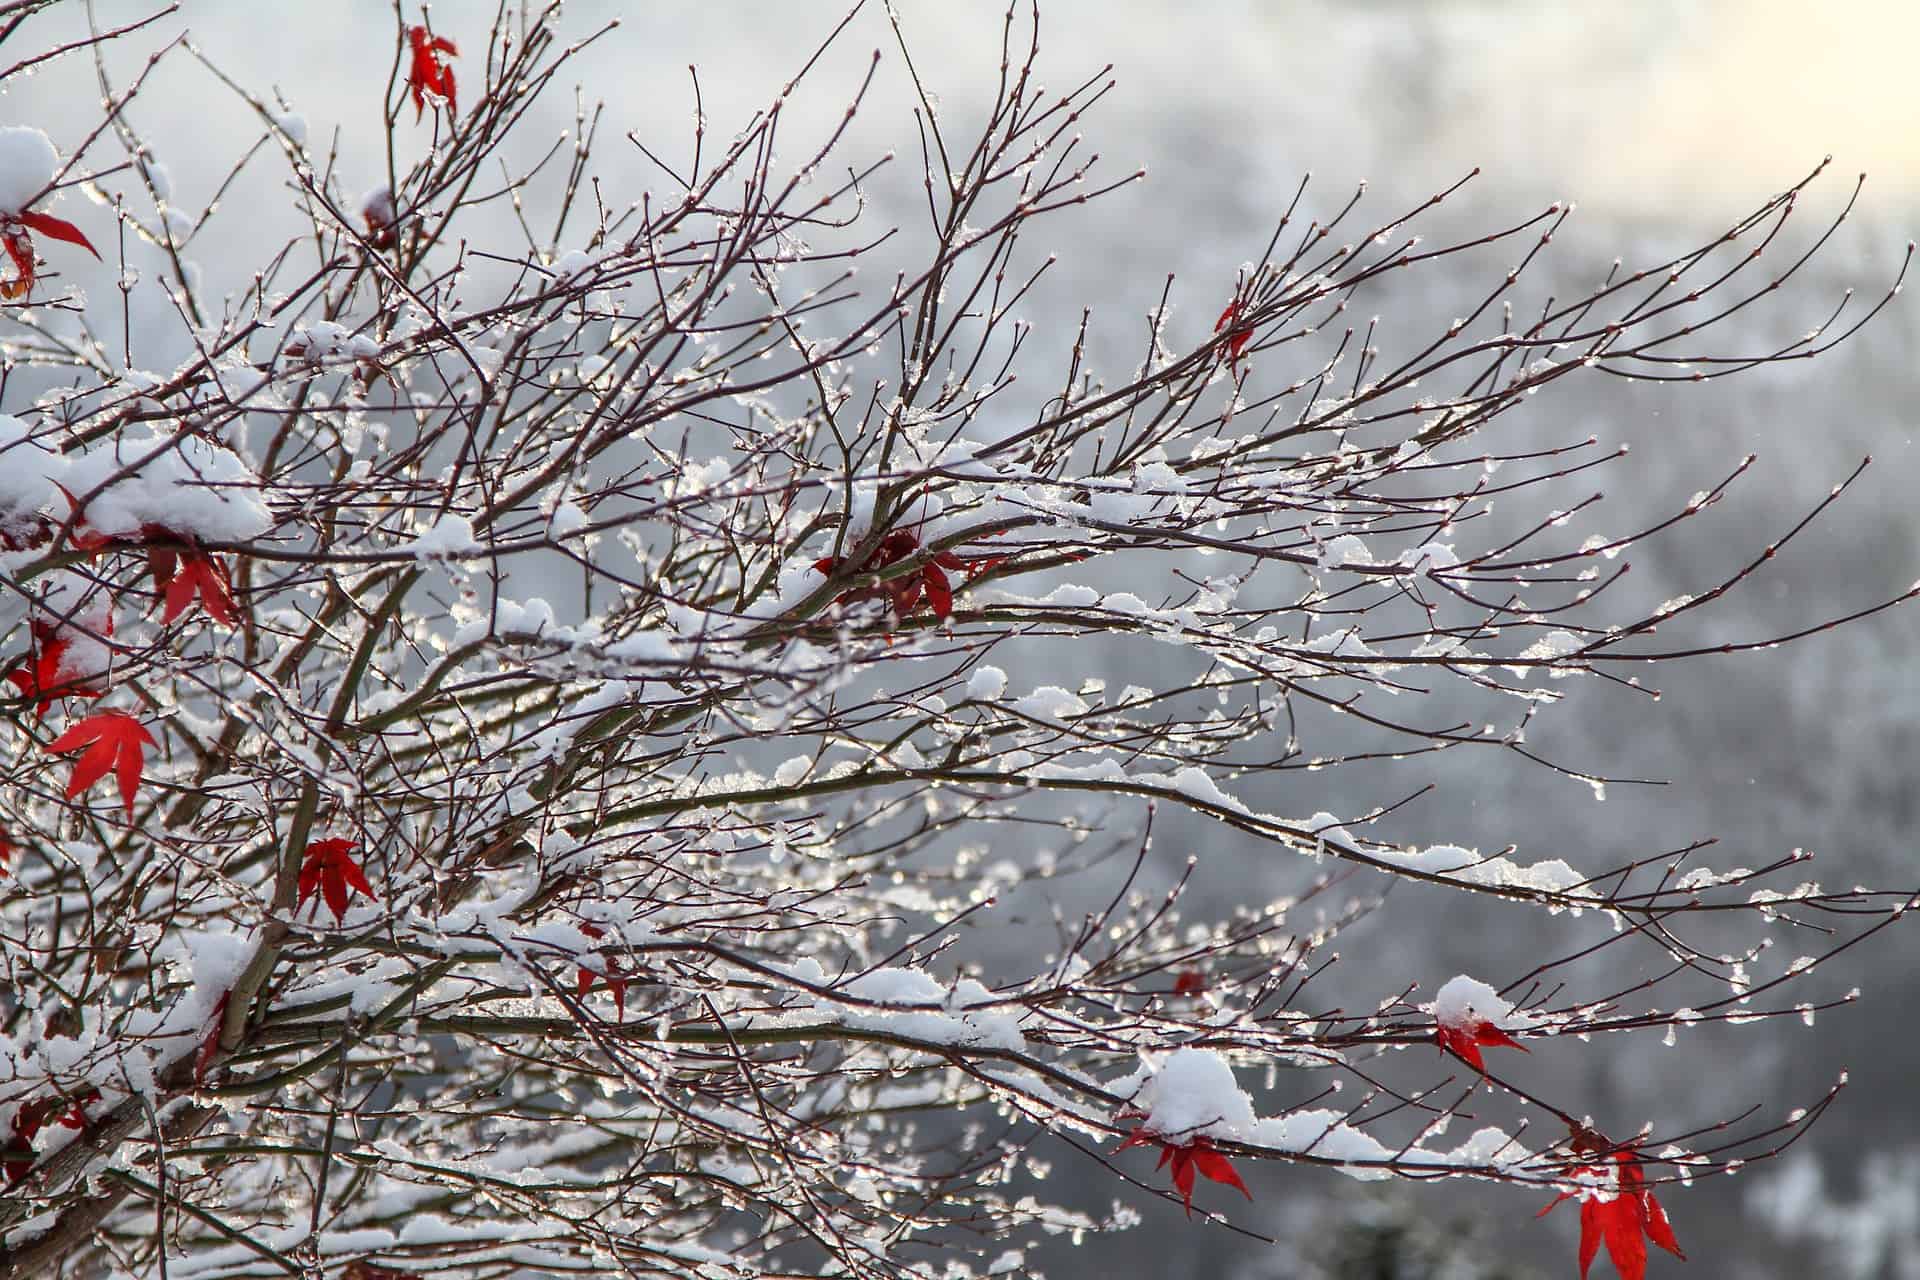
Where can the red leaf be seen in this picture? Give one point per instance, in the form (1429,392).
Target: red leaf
(38,676)
(329,867)
(19,248)
(1196,1155)
(113,741)
(616,981)
(59,229)
(200,575)
(1464,1041)
(1217,1168)
(210,1045)
(1625,1217)
(1237,338)
(428,72)
(82,537)
(939,592)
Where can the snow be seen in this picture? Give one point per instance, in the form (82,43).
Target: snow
(291,124)
(1344,552)
(450,535)
(1554,644)
(1465,1003)
(986,684)
(1193,1092)
(897,986)
(178,482)
(926,1010)
(27,164)
(157,177)
(1050,702)
(376,207)
(1438,859)
(28,471)
(1429,557)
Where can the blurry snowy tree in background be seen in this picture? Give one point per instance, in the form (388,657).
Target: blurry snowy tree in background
(539,748)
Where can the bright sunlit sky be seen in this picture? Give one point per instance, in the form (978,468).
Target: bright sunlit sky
(1633,108)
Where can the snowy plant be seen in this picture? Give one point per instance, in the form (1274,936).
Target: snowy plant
(579,744)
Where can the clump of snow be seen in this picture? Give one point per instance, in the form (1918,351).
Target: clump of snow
(1345,551)
(897,986)
(27,165)
(157,177)
(1050,702)
(986,684)
(376,207)
(325,340)
(1438,859)
(1325,827)
(1191,1093)
(28,471)
(1071,595)
(1430,557)
(177,482)
(571,265)
(1554,644)
(450,535)
(930,1012)
(291,124)
(1551,875)
(1466,1003)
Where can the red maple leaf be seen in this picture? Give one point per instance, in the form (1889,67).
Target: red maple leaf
(1196,1155)
(428,72)
(1621,1216)
(180,578)
(38,676)
(904,592)
(616,980)
(18,1154)
(13,231)
(114,741)
(329,867)
(1237,336)
(1463,1040)
(88,540)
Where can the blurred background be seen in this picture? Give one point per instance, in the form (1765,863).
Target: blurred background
(1665,123)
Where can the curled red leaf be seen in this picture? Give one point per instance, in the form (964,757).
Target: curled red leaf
(1464,1041)
(1238,335)
(19,246)
(210,1043)
(195,575)
(38,675)
(1195,1156)
(428,71)
(616,979)
(330,867)
(904,593)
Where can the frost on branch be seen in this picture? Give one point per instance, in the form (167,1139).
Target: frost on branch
(644,746)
